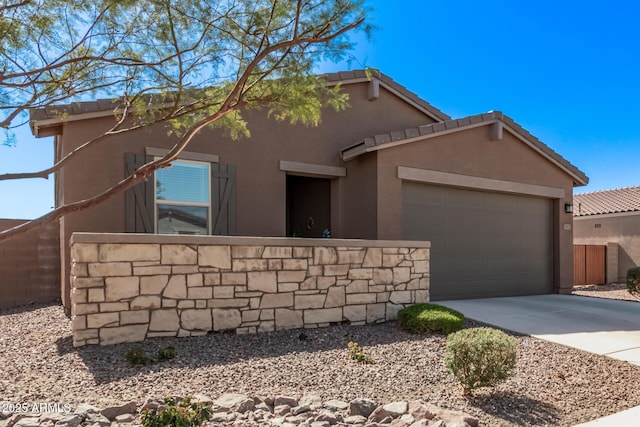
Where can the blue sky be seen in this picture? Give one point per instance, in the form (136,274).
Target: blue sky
(567,71)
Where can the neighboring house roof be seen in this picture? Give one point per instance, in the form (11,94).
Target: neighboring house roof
(46,121)
(497,118)
(607,202)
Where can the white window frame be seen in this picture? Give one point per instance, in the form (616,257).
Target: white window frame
(174,203)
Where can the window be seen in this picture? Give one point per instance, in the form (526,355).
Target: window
(183,198)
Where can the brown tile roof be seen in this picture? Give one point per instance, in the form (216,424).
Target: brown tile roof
(359,75)
(53,112)
(63,112)
(390,139)
(606,202)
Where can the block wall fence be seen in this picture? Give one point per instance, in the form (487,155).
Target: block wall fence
(129,287)
(30,265)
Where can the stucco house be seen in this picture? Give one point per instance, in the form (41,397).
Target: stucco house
(489,195)
(610,218)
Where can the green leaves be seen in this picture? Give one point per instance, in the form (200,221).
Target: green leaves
(260,51)
(177,413)
(480,357)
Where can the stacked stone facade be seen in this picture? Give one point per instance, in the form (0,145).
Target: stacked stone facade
(127,287)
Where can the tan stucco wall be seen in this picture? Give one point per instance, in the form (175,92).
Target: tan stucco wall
(621,229)
(261,185)
(472,153)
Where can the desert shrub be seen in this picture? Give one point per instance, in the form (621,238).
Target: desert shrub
(177,413)
(137,356)
(421,318)
(167,353)
(480,357)
(357,353)
(633,281)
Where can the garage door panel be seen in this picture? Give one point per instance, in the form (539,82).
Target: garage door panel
(502,247)
(507,204)
(462,199)
(417,195)
(473,268)
(424,218)
(532,206)
(460,223)
(483,244)
(501,225)
(530,224)
(464,247)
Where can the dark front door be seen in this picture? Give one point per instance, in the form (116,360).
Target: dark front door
(308,206)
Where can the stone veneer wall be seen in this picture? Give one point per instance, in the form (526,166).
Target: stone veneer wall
(129,287)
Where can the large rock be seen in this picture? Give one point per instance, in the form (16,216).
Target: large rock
(22,420)
(281,410)
(378,415)
(419,409)
(311,400)
(151,403)
(326,415)
(286,400)
(355,419)
(125,418)
(336,405)
(85,408)
(362,406)
(113,411)
(396,409)
(96,420)
(60,419)
(300,409)
(235,402)
(457,419)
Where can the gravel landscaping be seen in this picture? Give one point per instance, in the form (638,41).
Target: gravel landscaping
(609,291)
(552,385)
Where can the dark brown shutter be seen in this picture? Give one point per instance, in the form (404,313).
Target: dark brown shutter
(223,199)
(139,200)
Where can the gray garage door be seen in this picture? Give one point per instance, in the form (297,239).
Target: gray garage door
(483,244)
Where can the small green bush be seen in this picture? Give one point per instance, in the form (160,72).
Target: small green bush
(480,357)
(357,353)
(421,318)
(633,281)
(177,413)
(167,353)
(137,356)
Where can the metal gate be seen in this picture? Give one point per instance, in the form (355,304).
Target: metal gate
(589,264)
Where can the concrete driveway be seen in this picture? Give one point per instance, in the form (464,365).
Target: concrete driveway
(601,326)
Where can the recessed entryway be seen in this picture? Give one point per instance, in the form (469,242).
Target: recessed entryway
(308,206)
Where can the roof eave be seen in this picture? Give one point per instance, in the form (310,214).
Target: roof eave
(350,77)
(578,177)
